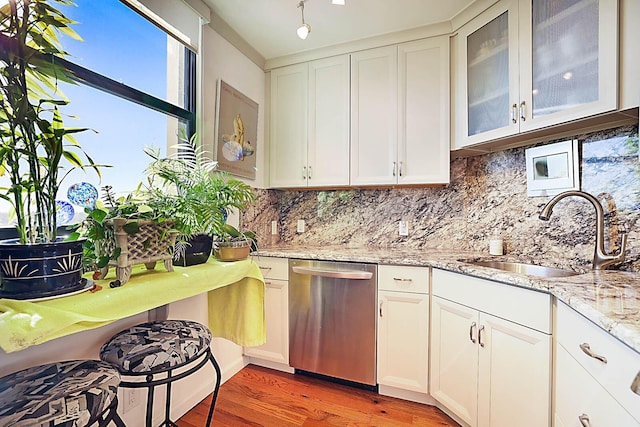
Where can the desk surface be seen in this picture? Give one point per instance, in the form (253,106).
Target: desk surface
(235,312)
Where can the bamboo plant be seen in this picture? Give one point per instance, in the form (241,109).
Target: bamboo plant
(37,151)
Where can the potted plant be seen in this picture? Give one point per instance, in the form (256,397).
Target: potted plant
(233,245)
(201,196)
(37,150)
(125,231)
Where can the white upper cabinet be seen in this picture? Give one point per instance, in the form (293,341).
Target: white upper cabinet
(328,148)
(374,116)
(309,140)
(400,114)
(524,65)
(288,130)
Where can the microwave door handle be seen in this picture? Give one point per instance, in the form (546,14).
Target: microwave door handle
(336,274)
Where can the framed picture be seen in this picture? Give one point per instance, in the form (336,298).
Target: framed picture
(553,168)
(237,131)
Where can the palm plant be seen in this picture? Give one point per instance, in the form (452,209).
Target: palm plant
(36,150)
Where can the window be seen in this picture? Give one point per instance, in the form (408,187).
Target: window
(135,89)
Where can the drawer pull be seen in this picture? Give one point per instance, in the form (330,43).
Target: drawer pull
(586,349)
(381,308)
(584,420)
(264,268)
(480,335)
(402,280)
(471,334)
(635,385)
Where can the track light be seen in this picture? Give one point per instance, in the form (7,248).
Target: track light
(303,30)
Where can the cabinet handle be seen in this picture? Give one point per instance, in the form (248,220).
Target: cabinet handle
(309,174)
(471,335)
(523,111)
(381,308)
(264,268)
(586,349)
(304,172)
(584,420)
(397,279)
(267,282)
(480,335)
(400,169)
(393,169)
(514,113)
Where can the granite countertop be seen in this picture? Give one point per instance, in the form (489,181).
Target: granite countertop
(609,298)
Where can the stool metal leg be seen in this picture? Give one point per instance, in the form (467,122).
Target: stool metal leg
(149,406)
(214,362)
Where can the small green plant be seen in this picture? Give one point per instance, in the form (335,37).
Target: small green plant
(230,234)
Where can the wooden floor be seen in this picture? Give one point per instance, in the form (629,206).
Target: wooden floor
(258,396)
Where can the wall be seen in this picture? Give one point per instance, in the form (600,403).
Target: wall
(485,192)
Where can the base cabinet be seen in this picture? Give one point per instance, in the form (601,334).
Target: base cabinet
(489,365)
(593,375)
(276,302)
(403,327)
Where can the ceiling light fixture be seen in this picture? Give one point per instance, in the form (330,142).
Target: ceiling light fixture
(338,2)
(303,30)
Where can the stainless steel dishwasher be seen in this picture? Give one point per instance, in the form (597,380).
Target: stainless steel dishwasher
(332,319)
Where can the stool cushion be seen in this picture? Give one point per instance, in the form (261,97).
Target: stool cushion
(154,347)
(72,393)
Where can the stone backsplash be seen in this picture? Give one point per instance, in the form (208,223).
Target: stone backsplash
(486,192)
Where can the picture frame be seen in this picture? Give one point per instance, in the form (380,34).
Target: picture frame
(553,168)
(236,131)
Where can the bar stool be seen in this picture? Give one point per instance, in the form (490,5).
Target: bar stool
(162,352)
(74,393)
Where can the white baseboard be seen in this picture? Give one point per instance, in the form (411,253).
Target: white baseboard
(413,396)
(271,365)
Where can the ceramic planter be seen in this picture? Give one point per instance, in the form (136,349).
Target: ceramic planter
(197,251)
(232,251)
(152,243)
(40,270)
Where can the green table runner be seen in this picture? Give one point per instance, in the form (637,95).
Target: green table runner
(235,296)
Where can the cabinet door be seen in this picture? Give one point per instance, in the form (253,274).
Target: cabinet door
(514,380)
(454,358)
(288,130)
(276,303)
(403,340)
(487,75)
(569,60)
(581,401)
(423,116)
(374,116)
(328,151)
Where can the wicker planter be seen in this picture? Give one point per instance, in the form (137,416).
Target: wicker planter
(232,251)
(151,244)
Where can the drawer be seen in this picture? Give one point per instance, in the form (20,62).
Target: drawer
(523,306)
(578,395)
(622,363)
(273,268)
(403,279)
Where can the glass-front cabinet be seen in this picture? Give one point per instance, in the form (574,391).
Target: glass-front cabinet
(527,64)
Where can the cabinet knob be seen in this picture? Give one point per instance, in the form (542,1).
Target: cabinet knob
(586,349)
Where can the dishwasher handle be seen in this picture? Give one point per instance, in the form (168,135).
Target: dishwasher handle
(336,274)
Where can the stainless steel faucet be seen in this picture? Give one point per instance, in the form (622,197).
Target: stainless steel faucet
(601,259)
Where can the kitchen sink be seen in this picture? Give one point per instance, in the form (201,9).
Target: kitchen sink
(522,268)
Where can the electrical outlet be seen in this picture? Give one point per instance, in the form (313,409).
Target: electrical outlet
(300,226)
(403,227)
(274,228)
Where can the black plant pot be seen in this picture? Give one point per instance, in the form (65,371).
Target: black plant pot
(196,252)
(40,270)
